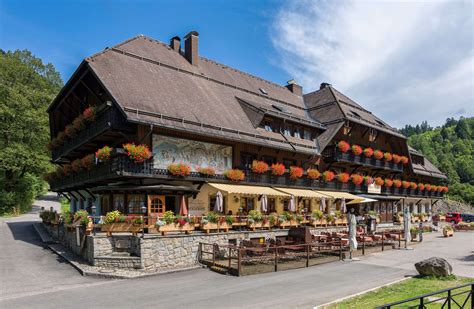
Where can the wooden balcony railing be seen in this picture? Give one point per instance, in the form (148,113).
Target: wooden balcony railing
(107,117)
(333,154)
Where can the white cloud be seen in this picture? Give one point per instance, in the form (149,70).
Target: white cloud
(404,61)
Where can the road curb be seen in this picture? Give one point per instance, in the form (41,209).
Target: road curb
(359,293)
(43,234)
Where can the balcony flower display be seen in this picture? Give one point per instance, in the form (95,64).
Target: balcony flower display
(397,183)
(78,123)
(343,146)
(103,154)
(356,149)
(278,169)
(207,171)
(179,169)
(89,114)
(368,152)
(427,187)
(88,161)
(434,188)
(396,158)
(388,182)
(61,137)
(421,186)
(259,167)
(413,185)
(388,156)
(405,184)
(296,172)
(70,131)
(328,176)
(404,159)
(137,153)
(67,169)
(234,174)
(76,165)
(357,179)
(343,177)
(378,154)
(368,180)
(379,181)
(313,173)
(445,189)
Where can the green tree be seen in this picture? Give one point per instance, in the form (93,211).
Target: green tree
(27,86)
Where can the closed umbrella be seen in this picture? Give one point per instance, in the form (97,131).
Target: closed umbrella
(352,232)
(219,207)
(292,204)
(264,202)
(183,210)
(343,205)
(322,205)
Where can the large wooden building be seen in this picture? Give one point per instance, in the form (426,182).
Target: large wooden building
(191,110)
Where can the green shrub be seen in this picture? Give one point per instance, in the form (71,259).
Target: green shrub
(317,214)
(168,217)
(112,216)
(212,217)
(256,215)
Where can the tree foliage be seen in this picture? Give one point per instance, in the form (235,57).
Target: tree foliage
(27,86)
(451,148)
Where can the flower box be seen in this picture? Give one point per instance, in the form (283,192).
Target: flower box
(341,221)
(207,227)
(319,222)
(448,233)
(121,227)
(258,225)
(187,228)
(287,223)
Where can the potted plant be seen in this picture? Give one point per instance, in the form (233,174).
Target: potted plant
(448,231)
(88,161)
(356,150)
(212,221)
(259,167)
(78,123)
(103,154)
(343,146)
(413,185)
(328,176)
(405,184)
(278,169)
(397,183)
(295,172)
(339,218)
(70,131)
(404,159)
(396,158)
(234,175)
(368,180)
(387,156)
(414,232)
(399,217)
(357,179)
(379,181)
(343,177)
(330,219)
(374,215)
(206,171)
(313,173)
(256,220)
(179,169)
(318,218)
(287,220)
(89,114)
(174,223)
(368,152)
(388,182)
(114,221)
(421,186)
(76,165)
(137,153)
(378,154)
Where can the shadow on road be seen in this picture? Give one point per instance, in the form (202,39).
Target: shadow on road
(24,231)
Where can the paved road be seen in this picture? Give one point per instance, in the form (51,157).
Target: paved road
(32,276)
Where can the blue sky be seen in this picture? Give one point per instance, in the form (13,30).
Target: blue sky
(390,56)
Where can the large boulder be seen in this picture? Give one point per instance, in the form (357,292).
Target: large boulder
(434,266)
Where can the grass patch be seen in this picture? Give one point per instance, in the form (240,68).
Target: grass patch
(406,289)
(64,204)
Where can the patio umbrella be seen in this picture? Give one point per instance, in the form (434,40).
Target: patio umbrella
(292,203)
(322,205)
(264,202)
(219,207)
(183,210)
(343,205)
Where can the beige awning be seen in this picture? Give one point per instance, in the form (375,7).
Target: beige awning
(302,193)
(361,200)
(338,194)
(249,190)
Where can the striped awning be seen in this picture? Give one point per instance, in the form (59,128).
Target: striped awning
(248,190)
(302,193)
(361,200)
(338,194)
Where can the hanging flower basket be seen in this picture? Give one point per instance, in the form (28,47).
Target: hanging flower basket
(206,171)
(427,187)
(313,173)
(368,180)
(137,153)
(368,152)
(328,176)
(405,184)
(397,183)
(404,159)
(356,149)
(413,185)
(388,182)
(343,146)
(234,174)
(179,169)
(379,181)
(387,156)
(296,172)
(259,167)
(103,154)
(378,154)
(396,158)
(357,179)
(278,169)
(343,177)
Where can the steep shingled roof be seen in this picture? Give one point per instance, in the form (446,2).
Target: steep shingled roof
(427,168)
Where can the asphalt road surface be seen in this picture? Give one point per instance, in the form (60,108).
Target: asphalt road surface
(33,277)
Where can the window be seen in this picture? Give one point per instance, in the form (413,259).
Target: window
(157,205)
(287,130)
(268,127)
(135,203)
(119,202)
(297,133)
(352,113)
(268,159)
(271,206)
(246,159)
(246,203)
(307,134)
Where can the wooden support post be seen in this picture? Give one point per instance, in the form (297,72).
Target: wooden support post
(276,258)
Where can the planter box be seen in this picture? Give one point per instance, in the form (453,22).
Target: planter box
(173,227)
(448,233)
(258,225)
(287,224)
(215,226)
(341,221)
(319,222)
(121,227)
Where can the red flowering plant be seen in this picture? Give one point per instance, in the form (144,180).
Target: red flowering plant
(406,184)
(356,149)
(78,123)
(88,161)
(103,154)
(396,158)
(379,181)
(388,182)
(343,146)
(179,169)
(440,188)
(137,153)
(434,188)
(421,187)
(368,180)
(313,173)
(413,185)
(89,114)
(70,131)
(427,187)
(296,172)
(234,174)
(397,183)
(328,176)
(368,152)
(343,177)
(378,154)
(404,159)
(445,189)
(357,179)
(76,165)
(388,156)
(259,167)
(278,169)
(67,169)
(208,171)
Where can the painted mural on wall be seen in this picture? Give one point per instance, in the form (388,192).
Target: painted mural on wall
(167,150)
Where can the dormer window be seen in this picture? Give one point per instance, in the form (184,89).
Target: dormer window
(263,91)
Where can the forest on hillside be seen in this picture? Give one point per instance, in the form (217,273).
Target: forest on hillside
(451,148)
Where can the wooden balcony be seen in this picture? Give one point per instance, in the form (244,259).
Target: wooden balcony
(333,154)
(107,118)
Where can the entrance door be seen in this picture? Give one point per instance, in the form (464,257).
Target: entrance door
(156,207)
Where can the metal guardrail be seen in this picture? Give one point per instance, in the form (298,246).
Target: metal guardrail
(447,301)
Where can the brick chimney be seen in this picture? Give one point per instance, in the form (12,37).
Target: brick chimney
(175,43)
(191,47)
(294,87)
